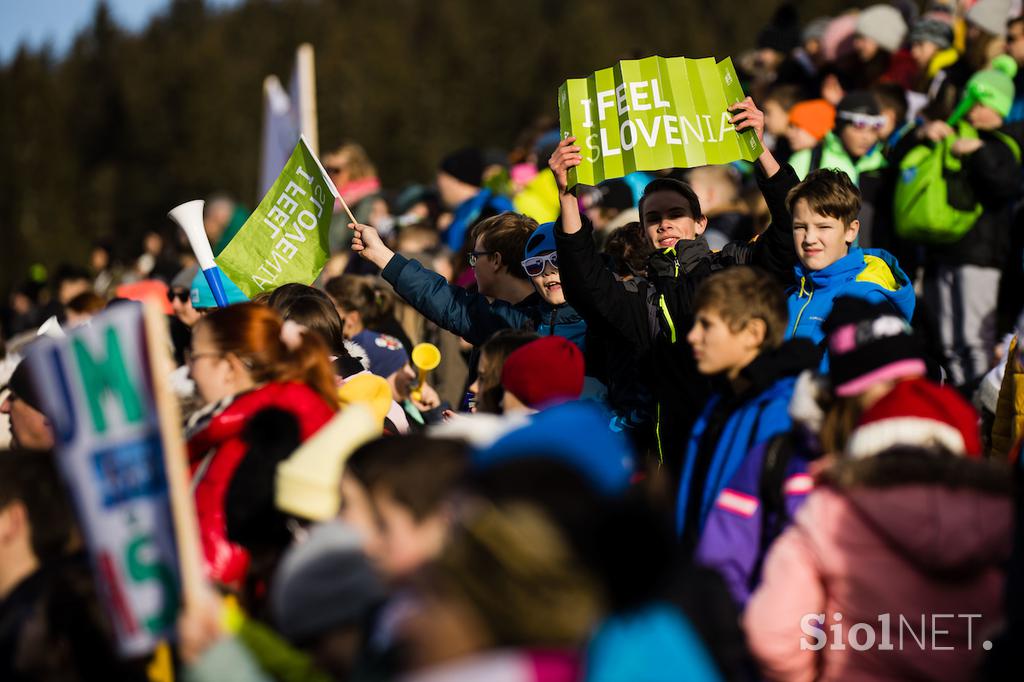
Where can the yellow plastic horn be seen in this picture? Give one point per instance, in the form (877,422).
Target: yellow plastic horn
(425,356)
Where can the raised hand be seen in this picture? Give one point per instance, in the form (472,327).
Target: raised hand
(965,146)
(199,628)
(367,243)
(746,115)
(428,398)
(565,156)
(936,131)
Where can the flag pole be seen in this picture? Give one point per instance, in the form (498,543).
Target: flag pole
(330,183)
(186,528)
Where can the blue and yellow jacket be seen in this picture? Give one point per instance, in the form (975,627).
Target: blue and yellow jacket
(872,274)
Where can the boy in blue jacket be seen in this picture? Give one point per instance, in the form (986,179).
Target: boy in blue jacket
(737,339)
(825,225)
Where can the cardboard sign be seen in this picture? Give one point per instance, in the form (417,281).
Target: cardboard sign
(651,114)
(97,391)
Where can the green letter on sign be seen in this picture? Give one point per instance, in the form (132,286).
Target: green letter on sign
(144,566)
(109,375)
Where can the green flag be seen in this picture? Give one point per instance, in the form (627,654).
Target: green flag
(653,113)
(285,238)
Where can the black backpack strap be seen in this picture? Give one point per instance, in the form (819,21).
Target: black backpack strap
(816,154)
(774,517)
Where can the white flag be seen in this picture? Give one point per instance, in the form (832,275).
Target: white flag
(287,115)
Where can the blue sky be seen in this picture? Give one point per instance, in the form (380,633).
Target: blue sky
(57,21)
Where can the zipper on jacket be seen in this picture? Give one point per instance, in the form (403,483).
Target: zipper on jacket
(668,317)
(657,432)
(810,296)
(552,324)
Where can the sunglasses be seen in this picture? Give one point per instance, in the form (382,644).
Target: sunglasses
(535,266)
(180,294)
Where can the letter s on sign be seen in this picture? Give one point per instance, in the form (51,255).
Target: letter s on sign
(810,625)
(594,147)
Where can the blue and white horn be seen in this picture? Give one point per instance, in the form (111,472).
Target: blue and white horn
(189,217)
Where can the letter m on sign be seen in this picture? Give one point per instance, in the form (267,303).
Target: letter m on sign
(109,374)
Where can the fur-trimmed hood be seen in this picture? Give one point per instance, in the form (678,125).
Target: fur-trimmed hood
(945,514)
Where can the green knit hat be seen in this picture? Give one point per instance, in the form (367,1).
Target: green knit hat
(992,88)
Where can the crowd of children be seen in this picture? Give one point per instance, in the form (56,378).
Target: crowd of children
(732,423)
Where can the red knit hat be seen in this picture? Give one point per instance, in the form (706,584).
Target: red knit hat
(544,372)
(917,412)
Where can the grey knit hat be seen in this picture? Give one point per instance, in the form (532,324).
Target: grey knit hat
(815,28)
(932,31)
(883,24)
(990,16)
(183,280)
(323,583)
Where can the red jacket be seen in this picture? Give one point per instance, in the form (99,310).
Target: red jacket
(221,439)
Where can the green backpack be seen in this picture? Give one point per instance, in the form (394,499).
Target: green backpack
(934,202)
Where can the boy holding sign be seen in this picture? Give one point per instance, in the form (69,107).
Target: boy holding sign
(655,317)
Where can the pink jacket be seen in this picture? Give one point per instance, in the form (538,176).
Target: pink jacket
(886,555)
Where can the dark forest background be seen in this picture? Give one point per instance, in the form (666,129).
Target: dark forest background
(103,140)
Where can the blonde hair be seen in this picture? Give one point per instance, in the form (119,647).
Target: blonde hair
(516,569)
(353,158)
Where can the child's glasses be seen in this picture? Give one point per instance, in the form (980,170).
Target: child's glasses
(535,266)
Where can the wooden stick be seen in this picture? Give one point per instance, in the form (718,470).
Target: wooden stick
(351,217)
(186,528)
(327,179)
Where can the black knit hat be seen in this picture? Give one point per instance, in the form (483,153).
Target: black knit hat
(858,107)
(21,386)
(782,33)
(858,102)
(868,343)
(465,165)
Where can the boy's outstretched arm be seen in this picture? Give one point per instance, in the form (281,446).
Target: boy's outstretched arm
(747,115)
(588,284)
(565,156)
(367,243)
(774,250)
(466,314)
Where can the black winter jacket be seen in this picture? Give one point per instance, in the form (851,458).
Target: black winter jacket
(653,319)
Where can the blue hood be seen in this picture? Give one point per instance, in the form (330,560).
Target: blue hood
(872,274)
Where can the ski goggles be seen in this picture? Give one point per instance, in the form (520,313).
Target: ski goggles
(861,121)
(535,266)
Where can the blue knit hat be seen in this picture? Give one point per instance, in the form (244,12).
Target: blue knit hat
(576,434)
(654,644)
(540,241)
(386,354)
(202,295)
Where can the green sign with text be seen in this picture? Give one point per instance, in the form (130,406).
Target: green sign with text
(653,113)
